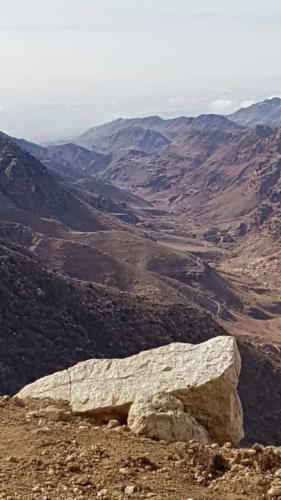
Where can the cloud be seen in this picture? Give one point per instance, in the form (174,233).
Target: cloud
(246,104)
(223,106)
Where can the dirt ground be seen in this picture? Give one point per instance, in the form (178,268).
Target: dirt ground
(53,455)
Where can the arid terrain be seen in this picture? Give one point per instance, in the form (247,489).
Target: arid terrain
(140,233)
(54,455)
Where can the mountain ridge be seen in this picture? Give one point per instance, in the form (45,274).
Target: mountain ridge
(267,112)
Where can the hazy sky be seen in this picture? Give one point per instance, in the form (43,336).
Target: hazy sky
(69,64)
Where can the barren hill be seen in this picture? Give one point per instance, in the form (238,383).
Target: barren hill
(267,112)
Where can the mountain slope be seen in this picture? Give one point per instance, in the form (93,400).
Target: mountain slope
(229,180)
(28,191)
(49,322)
(267,112)
(76,160)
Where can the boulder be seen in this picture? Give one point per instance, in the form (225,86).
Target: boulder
(162,416)
(204,377)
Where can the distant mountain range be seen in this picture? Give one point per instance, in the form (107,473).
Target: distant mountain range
(124,134)
(150,135)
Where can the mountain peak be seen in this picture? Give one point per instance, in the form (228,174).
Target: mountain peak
(267,112)
(273,101)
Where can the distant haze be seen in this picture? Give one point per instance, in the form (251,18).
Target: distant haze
(67,65)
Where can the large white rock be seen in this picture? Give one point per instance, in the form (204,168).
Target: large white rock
(162,416)
(204,377)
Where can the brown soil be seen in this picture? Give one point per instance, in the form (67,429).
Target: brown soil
(72,458)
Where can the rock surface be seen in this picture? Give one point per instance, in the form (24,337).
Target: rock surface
(162,417)
(204,377)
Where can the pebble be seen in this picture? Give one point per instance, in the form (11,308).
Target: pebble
(73,467)
(36,489)
(112,424)
(228,445)
(124,470)
(32,414)
(274,491)
(129,490)
(18,402)
(251,452)
(11,459)
(102,493)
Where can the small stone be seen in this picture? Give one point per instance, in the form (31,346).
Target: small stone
(84,481)
(278,473)
(32,414)
(246,461)
(102,493)
(236,468)
(214,445)
(36,489)
(56,414)
(112,424)
(73,467)
(118,429)
(251,452)
(274,491)
(258,447)
(44,430)
(228,445)
(18,402)
(129,490)
(124,470)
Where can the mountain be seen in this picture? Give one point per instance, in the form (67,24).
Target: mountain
(267,112)
(223,179)
(150,134)
(74,160)
(36,150)
(122,256)
(29,192)
(130,137)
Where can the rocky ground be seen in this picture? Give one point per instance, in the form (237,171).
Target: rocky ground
(47,453)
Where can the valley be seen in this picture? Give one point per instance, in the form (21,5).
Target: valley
(140,233)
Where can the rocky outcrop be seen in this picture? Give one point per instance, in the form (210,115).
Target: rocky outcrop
(162,416)
(203,377)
